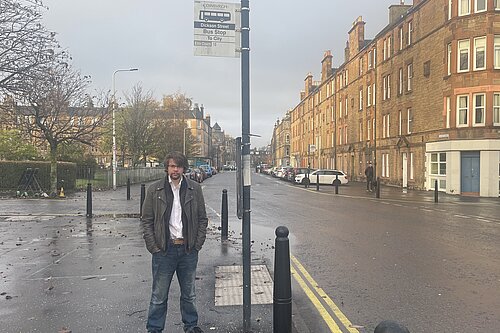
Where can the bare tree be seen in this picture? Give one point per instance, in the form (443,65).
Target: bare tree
(140,125)
(56,109)
(25,44)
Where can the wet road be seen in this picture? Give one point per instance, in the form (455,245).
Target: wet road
(433,267)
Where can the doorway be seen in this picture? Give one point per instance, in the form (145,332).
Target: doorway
(470,163)
(405,170)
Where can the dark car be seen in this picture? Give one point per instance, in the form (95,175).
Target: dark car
(295,171)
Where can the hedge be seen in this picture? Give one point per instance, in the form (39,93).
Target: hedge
(11,173)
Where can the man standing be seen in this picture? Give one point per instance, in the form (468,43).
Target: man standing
(369,176)
(174,225)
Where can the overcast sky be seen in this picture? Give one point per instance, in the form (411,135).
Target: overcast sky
(287,41)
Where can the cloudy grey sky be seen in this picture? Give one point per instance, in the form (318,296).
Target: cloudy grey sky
(287,40)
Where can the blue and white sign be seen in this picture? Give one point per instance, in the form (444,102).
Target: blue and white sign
(216,29)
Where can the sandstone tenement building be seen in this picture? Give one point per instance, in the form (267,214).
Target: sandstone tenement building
(421,100)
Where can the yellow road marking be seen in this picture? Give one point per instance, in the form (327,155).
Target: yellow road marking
(321,309)
(337,312)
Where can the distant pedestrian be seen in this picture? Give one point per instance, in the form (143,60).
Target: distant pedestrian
(369,177)
(174,225)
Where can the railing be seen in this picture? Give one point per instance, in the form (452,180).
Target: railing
(103,178)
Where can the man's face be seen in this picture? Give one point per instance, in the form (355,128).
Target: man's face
(174,171)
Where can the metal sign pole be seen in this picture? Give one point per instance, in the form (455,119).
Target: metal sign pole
(245,154)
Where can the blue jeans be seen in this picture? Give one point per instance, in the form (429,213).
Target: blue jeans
(164,265)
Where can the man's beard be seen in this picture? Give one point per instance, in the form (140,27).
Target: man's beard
(175,175)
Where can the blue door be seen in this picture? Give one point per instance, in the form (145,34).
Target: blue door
(470,173)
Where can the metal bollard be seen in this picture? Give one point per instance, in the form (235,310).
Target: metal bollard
(337,181)
(282,293)
(89,200)
(143,196)
(436,191)
(378,187)
(389,326)
(317,181)
(128,188)
(223,218)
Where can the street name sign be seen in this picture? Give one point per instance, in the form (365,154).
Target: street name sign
(216,29)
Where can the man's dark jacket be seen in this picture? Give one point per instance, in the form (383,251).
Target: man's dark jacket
(157,208)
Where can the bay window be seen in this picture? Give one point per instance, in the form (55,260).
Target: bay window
(462,110)
(479,109)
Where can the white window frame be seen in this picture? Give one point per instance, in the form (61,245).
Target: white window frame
(346,106)
(496,4)
(388,126)
(370,59)
(496,109)
(383,126)
(463,109)
(361,65)
(450,2)
(409,121)
(463,7)
(481,108)
(463,49)
(368,129)
(401,81)
(389,46)
(449,59)
(496,51)
(477,2)
(361,99)
(374,94)
(409,80)
(384,50)
(384,82)
(369,95)
(401,39)
(448,111)
(388,86)
(438,164)
(410,33)
(360,131)
(479,47)
(400,129)
(340,107)
(345,134)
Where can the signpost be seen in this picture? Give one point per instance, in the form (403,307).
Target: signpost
(216,29)
(217,33)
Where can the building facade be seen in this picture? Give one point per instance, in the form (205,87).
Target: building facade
(421,101)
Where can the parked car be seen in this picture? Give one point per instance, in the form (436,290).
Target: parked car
(194,174)
(208,169)
(326,176)
(296,171)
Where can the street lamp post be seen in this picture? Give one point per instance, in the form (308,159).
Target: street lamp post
(114,164)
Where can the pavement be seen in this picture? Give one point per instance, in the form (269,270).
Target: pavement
(63,272)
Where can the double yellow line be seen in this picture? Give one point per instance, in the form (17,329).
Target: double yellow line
(318,297)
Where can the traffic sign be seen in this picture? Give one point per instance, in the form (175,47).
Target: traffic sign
(216,29)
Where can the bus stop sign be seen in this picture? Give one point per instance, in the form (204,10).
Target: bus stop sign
(216,29)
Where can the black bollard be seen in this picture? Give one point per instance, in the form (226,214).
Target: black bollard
(389,326)
(143,196)
(436,191)
(337,181)
(377,189)
(223,218)
(282,293)
(89,200)
(317,181)
(128,188)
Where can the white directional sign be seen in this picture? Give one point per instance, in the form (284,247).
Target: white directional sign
(216,29)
